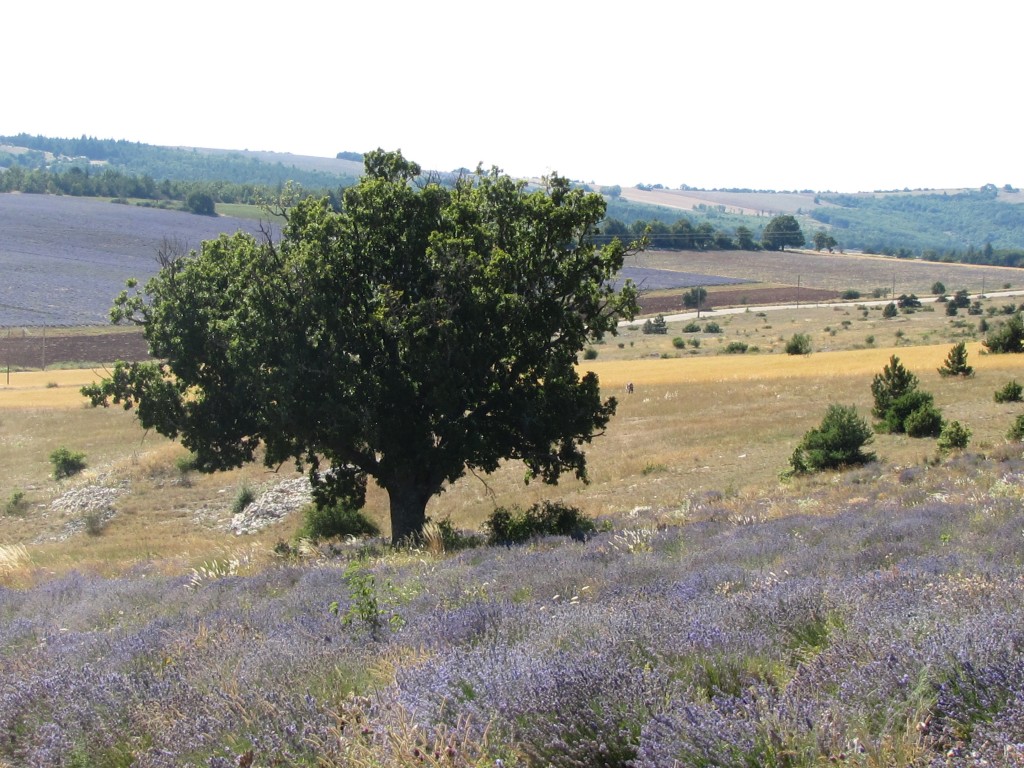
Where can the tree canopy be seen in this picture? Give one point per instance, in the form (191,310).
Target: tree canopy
(415,333)
(782,231)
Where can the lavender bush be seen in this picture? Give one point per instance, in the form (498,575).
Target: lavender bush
(874,618)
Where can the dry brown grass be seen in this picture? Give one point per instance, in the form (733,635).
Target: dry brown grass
(695,425)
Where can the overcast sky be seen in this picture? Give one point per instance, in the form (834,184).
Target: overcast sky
(789,94)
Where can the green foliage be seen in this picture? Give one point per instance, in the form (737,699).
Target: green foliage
(66,463)
(335,521)
(515,525)
(736,348)
(893,382)
(824,241)
(954,437)
(938,289)
(692,327)
(1011,392)
(655,325)
(1016,432)
(951,309)
(438,326)
(782,231)
(712,327)
(695,297)
(200,203)
(590,353)
(890,310)
(17,504)
(369,606)
(679,342)
(838,442)
(1007,337)
(243,498)
(956,362)
(850,294)
(925,420)
(799,344)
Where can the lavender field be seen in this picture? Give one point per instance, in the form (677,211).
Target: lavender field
(64,259)
(881,623)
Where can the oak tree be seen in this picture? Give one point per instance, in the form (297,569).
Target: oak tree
(417,332)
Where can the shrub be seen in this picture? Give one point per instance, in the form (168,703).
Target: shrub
(915,414)
(1006,337)
(890,310)
(243,499)
(335,521)
(736,348)
(695,343)
(691,327)
(956,362)
(712,327)
(514,525)
(94,523)
(951,309)
(835,444)
(66,463)
(679,342)
(799,344)
(925,421)
(938,288)
(656,325)
(894,380)
(850,294)
(954,437)
(17,504)
(1016,432)
(590,353)
(1011,392)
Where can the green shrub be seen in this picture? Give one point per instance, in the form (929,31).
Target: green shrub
(890,310)
(695,343)
(1006,337)
(736,348)
(938,288)
(954,437)
(656,325)
(1016,432)
(925,421)
(336,521)
(836,443)
(850,294)
(243,499)
(691,327)
(514,525)
(1011,392)
(956,362)
(66,463)
(17,504)
(590,353)
(712,327)
(679,342)
(799,344)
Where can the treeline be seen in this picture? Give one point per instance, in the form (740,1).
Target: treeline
(142,160)
(681,235)
(112,183)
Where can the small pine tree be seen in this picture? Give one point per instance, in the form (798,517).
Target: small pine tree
(1006,337)
(893,382)
(656,325)
(956,362)
(835,444)
(890,310)
(1012,392)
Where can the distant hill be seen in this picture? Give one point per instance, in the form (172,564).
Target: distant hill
(983,225)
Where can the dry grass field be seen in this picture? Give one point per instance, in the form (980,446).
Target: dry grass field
(699,424)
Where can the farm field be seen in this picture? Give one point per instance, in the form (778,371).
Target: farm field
(64,259)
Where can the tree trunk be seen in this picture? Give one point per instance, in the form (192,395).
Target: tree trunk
(408,502)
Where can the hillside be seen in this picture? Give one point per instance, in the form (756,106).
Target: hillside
(936,224)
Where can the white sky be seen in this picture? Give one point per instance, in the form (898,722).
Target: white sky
(790,94)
